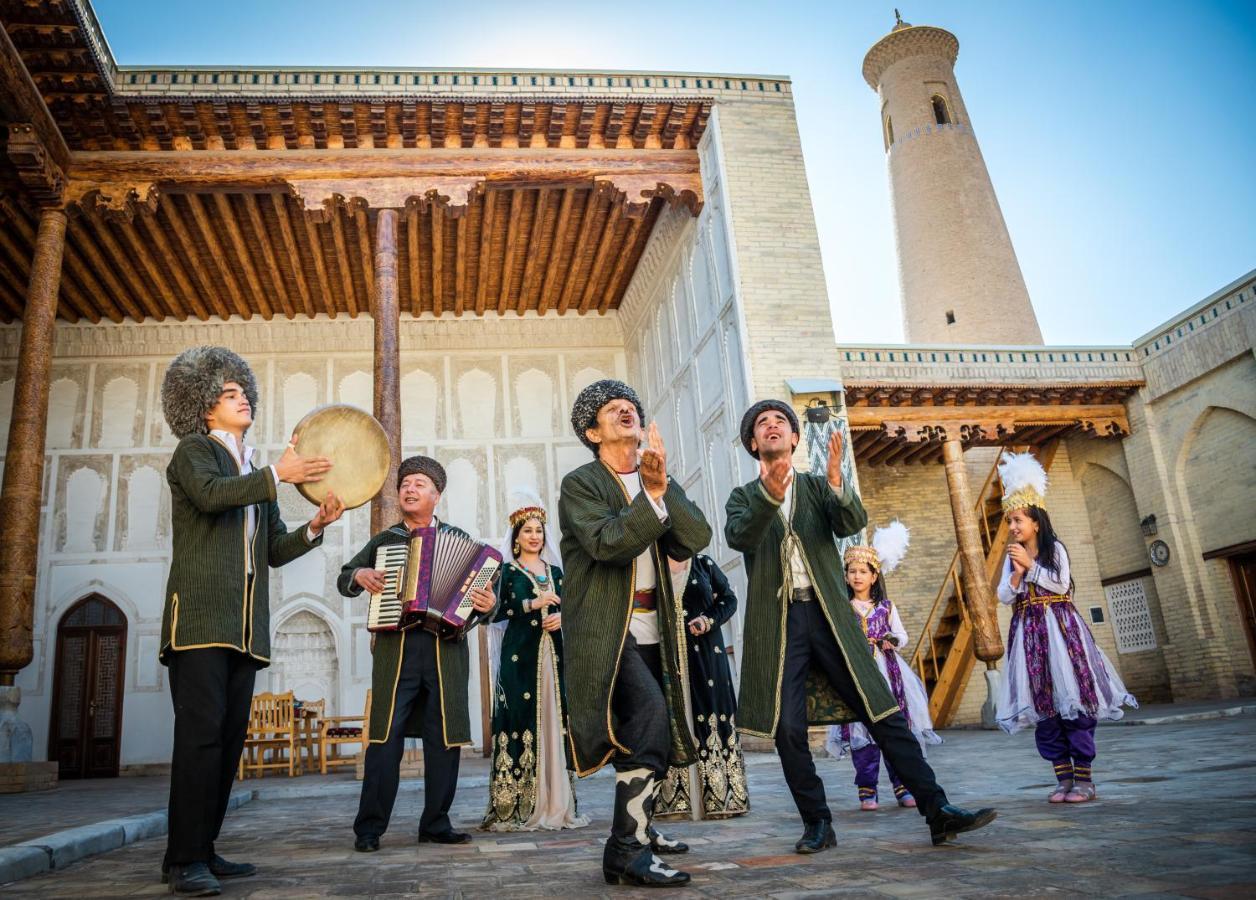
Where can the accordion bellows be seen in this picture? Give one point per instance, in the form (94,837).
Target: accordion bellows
(428,582)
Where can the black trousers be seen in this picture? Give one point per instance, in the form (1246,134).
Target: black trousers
(640,710)
(417,688)
(212,689)
(808,641)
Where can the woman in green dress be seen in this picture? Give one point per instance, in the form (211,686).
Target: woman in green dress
(531,785)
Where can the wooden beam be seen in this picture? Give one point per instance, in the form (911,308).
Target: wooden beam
(228,218)
(13,288)
(438,258)
(20,258)
(364,248)
(162,247)
(532,251)
(603,248)
(867,416)
(385,177)
(262,238)
(415,267)
(184,237)
(342,260)
(290,244)
(577,256)
(461,241)
(627,251)
(219,256)
(125,277)
(549,285)
(86,276)
(320,263)
(486,246)
(21,101)
(518,198)
(144,254)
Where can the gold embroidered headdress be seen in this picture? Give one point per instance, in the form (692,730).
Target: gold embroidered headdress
(1024,482)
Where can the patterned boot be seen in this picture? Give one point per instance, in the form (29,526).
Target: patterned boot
(659,842)
(628,858)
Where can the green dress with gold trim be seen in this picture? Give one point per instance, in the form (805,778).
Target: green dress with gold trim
(517,780)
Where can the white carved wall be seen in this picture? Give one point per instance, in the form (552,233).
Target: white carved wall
(683,331)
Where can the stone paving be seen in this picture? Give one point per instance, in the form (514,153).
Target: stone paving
(1176,817)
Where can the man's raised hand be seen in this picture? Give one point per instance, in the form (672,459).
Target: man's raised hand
(653,466)
(834,469)
(295,469)
(776,476)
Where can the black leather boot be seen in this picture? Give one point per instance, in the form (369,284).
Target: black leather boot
(661,843)
(817,836)
(948,821)
(628,858)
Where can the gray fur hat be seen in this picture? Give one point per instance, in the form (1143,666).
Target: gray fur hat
(422,465)
(752,416)
(590,402)
(194,382)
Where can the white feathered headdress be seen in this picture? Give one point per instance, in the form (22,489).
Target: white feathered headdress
(885,551)
(1024,482)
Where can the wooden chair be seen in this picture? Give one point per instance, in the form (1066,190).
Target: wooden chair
(271,729)
(309,728)
(339,730)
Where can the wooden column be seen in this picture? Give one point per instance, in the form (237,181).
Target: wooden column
(977,594)
(386,311)
(24,464)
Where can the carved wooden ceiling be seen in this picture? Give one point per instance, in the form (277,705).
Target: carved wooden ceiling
(182,206)
(897,424)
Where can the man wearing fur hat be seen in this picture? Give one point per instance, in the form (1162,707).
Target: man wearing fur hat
(805,656)
(215,631)
(418,682)
(621,517)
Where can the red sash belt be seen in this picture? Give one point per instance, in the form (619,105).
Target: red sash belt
(644,601)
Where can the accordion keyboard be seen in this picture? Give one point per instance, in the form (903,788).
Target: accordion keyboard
(384,613)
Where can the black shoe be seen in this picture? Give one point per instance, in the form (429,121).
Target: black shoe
(949,821)
(643,870)
(194,880)
(366,843)
(817,836)
(444,837)
(660,843)
(221,868)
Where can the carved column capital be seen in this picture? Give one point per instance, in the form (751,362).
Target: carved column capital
(42,178)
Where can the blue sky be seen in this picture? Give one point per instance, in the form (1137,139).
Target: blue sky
(1120,135)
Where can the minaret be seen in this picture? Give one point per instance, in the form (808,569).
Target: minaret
(958,273)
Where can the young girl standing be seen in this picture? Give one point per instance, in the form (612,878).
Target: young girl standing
(1056,677)
(865,567)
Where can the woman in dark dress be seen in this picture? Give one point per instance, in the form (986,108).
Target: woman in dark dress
(716,785)
(530,784)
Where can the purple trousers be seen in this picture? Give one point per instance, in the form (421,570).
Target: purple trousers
(867,762)
(1067,743)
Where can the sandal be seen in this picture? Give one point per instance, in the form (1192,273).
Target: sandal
(907,800)
(1082,792)
(869,804)
(1061,791)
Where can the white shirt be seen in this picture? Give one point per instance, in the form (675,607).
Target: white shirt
(644,626)
(798,568)
(246,468)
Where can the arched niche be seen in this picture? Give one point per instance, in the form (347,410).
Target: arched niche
(143,507)
(84,491)
(477,404)
(534,402)
(119,400)
(1218,465)
(420,394)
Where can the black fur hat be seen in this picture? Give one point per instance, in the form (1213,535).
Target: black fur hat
(194,382)
(422,465)
(590,402)
(752,416)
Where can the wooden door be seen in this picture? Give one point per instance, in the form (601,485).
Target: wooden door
(85,734)
(1243,570)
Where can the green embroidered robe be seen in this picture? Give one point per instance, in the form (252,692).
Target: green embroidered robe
(603,533)
(755,527)
(453,658)
(513,779)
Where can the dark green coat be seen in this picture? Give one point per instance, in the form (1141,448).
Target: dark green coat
(208,603)
(453,658)
(603,534)
(755,528)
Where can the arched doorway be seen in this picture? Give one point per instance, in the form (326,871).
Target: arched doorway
(85,734)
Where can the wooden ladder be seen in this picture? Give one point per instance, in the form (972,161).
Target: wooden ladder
(944,654)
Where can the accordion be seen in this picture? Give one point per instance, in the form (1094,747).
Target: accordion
(428,582)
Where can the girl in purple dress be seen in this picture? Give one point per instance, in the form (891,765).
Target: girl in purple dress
(866,566)
(1056,678)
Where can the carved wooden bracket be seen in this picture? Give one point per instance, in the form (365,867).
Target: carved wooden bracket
(42,177)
